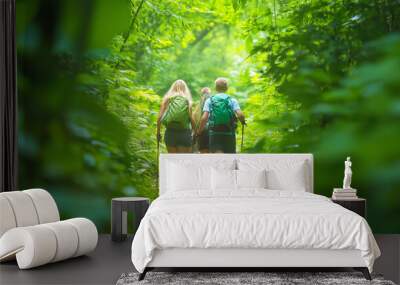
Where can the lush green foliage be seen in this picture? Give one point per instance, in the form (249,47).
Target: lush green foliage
(311,76)
(326,83)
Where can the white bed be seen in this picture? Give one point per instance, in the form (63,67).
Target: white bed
(282,224)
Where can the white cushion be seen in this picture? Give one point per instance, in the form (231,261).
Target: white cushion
(67,239)
(40,244)
(223,179)
(281,174)
(87,234)
(23,208)
(220,163)
(193,175)
(34,244)
(26,208)
(7,218)
(183,178)
(46,207)
(251,178)
(287,177)
(214,159)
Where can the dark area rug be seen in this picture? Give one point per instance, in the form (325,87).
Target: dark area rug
(228,278)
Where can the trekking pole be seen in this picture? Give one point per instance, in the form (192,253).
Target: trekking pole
(158,154)
(194,141)
(158,150)
(241,145)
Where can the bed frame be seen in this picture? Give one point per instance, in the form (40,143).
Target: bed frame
(246,258)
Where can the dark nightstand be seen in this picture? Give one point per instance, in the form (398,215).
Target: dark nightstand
(357,205)
(119,215)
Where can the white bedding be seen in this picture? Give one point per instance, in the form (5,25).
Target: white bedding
(250,219)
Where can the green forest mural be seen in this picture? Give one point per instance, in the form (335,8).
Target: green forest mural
(316,76)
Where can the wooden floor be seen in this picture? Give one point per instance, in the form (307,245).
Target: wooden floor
(110,260)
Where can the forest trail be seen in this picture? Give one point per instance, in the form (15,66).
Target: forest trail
(311,76)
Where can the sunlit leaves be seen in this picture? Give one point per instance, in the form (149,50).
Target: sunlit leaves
(337,84)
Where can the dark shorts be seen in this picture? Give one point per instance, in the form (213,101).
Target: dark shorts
(203,140)
(178,137)
(222,142)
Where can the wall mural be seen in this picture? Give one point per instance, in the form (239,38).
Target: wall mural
(103,84)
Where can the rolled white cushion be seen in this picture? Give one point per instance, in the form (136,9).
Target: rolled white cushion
(87,235)
(37,245)
(23,208)
(67,240)
(46,207)
(33,246)
(7,218)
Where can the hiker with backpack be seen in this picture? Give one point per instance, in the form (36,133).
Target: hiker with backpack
(176,115)
(220,113)
(203,138)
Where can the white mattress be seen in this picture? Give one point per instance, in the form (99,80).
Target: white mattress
(253,219)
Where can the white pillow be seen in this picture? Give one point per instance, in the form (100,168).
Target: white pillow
(292,178)
(188,174)
(251,178)
(220,163)
(223,179)
(281,174)
(183,178)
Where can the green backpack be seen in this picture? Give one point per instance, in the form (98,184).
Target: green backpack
(177,114)
(221,115)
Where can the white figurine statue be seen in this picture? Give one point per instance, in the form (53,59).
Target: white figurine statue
(347,174)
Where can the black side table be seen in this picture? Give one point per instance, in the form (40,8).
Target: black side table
(357,205)
(119,215)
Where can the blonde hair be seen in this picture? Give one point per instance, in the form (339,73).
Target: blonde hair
(221,84)
(179,87)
